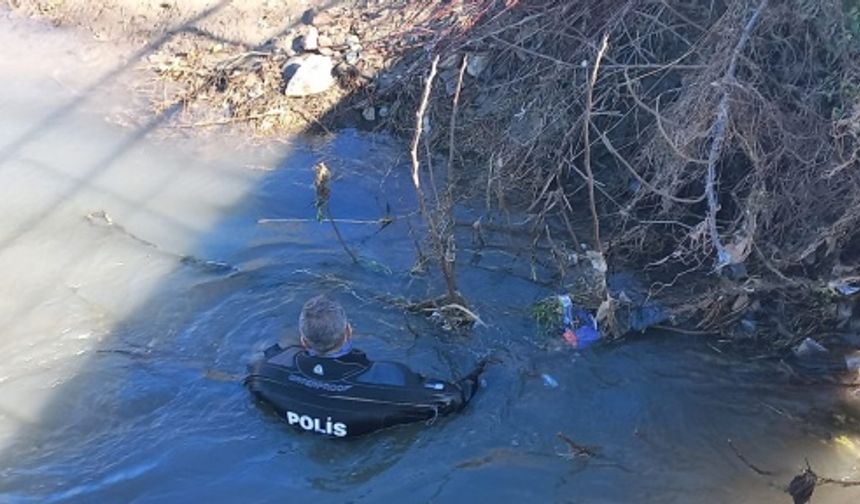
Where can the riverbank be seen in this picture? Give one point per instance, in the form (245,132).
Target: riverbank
(228,64)
(696,154)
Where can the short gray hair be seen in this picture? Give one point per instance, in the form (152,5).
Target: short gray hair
(322,323)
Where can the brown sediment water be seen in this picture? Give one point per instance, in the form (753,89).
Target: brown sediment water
(134,271)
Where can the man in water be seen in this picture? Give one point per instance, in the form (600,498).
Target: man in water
(328,387)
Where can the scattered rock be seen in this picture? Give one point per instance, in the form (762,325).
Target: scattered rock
(352,39)
(310,42)
(337,39)
(307,75)
(312,17)
(808,348)
(284,44)
(326,51)
(351,57)
(477,64)
(383,112)
(369,114)
(324,41)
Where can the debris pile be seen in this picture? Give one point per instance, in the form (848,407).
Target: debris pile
(713,145)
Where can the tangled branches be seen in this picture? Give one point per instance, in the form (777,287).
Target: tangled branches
(721,135)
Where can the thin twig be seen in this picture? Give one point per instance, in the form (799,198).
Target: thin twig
(612,150)
(310,118)
(229,120)
(322,179)
(577,449)
(658,121)
(447,242)
(378,222)
(419,129)
(568,208)
(339,237)
(681,330)
(746,462)
(842,483)
(441,245)
(451,128)
(604,44)
(456,306)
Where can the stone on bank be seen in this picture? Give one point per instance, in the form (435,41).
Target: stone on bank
(308,74)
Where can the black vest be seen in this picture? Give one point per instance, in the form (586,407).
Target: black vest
(349,395)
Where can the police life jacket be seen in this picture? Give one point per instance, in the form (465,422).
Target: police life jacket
(350,395)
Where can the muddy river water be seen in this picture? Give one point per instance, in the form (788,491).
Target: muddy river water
(135,279)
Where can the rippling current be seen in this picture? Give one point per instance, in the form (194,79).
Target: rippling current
(136,283)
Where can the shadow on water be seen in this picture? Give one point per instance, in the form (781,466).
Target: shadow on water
(150,414)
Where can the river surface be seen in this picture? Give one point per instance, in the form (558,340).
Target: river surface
(136,281)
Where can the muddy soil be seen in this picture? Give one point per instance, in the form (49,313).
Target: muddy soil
(176,45)
(248,22)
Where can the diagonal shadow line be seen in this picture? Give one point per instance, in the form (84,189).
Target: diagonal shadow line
(15,145)
(23,228)
(35,131)
(186,27)
(30,224)
(169,219)
(27,225)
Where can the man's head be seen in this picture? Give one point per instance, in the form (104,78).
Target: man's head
(322,325)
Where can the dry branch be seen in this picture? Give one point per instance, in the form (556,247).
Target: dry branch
(589,103)
(419,129)
(442,238)
(719,136)
(322,181)
(452,127)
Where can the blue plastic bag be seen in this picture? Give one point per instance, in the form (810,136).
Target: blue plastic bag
(580,329)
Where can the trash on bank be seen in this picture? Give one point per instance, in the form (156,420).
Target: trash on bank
(579,328)
(549,381)
(844,287)
(809,348)
(812,356)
